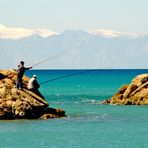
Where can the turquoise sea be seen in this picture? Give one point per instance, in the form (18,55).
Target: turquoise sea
(88,124)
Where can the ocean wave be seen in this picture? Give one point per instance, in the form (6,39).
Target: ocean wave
(75,99)
(83,101)
(89,116)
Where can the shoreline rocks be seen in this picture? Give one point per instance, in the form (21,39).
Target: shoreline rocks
(22,104)
(136,93)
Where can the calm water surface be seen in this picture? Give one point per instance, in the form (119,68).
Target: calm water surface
(89,124)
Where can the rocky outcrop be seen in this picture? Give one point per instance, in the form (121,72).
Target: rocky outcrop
(136,93)
(22,104)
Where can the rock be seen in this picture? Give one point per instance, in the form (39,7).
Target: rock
(53,113)
(22,104)
(136,93)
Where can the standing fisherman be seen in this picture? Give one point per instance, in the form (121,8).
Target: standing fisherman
(20,73)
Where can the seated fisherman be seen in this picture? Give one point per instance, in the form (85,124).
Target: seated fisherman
(33,85)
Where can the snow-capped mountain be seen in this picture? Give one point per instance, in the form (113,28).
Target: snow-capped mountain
(112,34)
(16,33)
(85,49)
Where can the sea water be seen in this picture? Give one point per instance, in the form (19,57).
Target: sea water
(88,124)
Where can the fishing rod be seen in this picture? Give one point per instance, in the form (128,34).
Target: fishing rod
(58,78)
(53,57)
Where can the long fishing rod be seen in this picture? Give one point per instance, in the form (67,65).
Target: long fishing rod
(51,58)
(58,78)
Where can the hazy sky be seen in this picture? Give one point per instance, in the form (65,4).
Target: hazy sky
(60,15)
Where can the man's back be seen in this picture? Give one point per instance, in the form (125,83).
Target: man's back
(33,84)
(21,70)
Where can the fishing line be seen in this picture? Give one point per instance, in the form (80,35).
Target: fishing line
(53,57)
(62,77)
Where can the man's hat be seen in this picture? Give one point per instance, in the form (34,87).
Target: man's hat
(34,76)
(22,62)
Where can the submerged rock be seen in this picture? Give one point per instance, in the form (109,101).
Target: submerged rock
(22,104)
(136,93)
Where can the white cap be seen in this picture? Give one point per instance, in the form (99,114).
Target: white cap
(34,76)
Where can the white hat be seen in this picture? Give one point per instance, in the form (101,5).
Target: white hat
(34,76)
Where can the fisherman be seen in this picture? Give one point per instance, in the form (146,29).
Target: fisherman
(33,85)
(20,73)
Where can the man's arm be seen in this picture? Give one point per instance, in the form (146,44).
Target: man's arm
(27,68)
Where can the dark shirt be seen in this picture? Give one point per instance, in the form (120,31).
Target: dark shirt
(21,70)
(36,84)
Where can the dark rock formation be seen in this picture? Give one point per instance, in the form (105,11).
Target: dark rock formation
(136,93)
(22,104)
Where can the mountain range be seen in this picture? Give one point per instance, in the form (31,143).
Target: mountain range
(72,49)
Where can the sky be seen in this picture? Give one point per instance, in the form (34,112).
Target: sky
(60,15)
